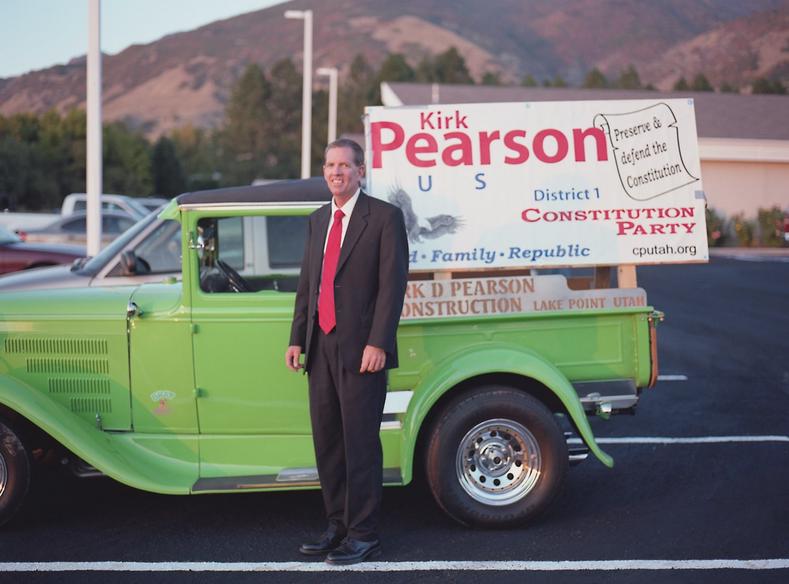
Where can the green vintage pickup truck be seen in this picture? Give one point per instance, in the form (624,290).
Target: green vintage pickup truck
(180,386)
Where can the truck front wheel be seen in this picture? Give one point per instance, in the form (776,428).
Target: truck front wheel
(14,472)
(496,458)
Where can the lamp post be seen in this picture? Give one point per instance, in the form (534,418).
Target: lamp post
(93,137)
(306,101)
(331,72)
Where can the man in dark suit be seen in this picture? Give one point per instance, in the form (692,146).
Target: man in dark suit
(348,304)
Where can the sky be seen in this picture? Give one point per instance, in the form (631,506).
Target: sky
(35,34)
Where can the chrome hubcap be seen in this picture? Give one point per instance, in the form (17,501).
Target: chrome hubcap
(3,475)
(498,462)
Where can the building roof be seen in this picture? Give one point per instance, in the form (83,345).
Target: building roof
(718,115)
(306,190)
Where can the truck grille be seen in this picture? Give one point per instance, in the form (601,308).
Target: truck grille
(79,386)
(55,365)
(89,405)
(56,345)
(75,371)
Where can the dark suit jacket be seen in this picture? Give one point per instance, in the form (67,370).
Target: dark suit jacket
(369,285)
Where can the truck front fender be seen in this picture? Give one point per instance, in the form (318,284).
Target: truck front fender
(156,463)
(492,360)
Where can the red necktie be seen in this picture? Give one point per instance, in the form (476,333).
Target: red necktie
(326,316)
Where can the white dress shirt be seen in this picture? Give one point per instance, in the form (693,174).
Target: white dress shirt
(347,209)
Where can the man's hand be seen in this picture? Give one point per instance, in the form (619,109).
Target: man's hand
(292,358)
(373,359)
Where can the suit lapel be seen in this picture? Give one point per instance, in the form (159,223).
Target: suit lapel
(319,240)
(355,228)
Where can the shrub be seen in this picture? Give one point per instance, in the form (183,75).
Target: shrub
(743,230)
(716,223)
(770,222)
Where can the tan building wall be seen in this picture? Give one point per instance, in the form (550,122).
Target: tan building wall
(733,187)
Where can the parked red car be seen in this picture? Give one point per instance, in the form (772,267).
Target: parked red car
(16,254)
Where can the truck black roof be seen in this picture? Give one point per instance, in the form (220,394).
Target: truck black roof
(285,191)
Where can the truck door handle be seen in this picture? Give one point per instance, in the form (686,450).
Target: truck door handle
(132,310)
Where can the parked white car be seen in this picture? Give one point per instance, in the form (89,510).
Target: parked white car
(72,228)
(78,202)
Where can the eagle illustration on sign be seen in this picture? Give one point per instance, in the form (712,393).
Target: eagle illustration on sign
(432,228)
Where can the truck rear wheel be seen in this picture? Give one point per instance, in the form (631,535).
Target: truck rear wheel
(496,458)
(14,472)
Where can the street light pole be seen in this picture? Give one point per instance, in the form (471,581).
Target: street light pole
(331,72)
(93,137)
(306,101)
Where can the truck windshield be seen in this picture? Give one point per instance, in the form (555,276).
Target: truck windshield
(95,263)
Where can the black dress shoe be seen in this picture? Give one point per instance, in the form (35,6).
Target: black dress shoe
(353,551)
(328,541)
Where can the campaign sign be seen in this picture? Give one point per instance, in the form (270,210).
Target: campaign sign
(541,184)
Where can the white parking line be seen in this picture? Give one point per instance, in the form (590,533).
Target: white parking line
(683,440)
(672,377)
(428,566)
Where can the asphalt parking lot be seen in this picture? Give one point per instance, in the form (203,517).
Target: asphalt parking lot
(699,493)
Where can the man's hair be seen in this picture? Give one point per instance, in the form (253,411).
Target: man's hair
(358,153)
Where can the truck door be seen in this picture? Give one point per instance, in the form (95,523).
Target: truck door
(160,363)
(253,411)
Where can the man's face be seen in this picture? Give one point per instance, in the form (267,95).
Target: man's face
(341,173)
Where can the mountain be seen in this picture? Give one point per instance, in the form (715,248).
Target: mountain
(736,52)
(185,78)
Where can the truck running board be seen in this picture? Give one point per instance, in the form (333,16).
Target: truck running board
(287,478)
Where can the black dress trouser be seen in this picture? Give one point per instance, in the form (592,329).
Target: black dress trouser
(346,409)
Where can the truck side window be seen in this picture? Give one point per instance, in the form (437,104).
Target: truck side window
(251,253)
(285,237)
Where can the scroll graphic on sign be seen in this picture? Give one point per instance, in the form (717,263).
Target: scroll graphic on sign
(647,152)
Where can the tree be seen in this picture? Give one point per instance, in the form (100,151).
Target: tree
(629,78)
(701,83)
(396,68)
(127,162)
(282,148)
(320,124)
(450,67)
(491,78)
(246,126)
(166,170)
(446,67)
(75,147)
(424,70)
(15,174)
(43,158)
(361,88)
(198,151)
(681,85)
(726,87)
(528,81)
(764,85)
(557,81)
(595,80)
(61,149)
